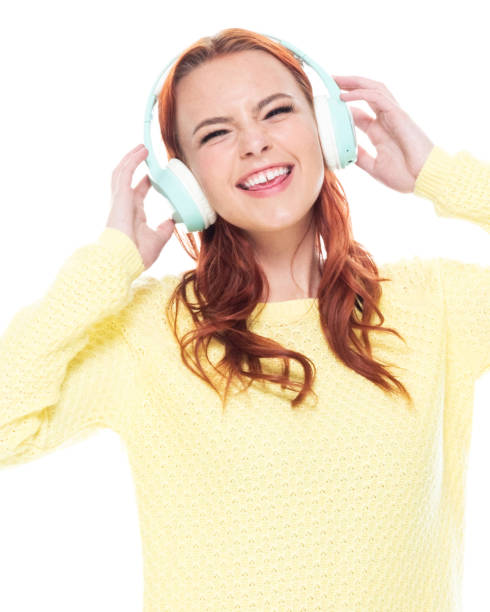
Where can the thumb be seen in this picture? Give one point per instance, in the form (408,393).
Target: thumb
(165,229)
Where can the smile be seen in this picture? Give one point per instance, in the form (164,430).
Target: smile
(267,189)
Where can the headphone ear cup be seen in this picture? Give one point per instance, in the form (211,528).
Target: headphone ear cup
(326,131)
(192,187)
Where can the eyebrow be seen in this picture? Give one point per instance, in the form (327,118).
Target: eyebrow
(257,108)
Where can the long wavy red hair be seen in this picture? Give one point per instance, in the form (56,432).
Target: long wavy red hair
(228,282)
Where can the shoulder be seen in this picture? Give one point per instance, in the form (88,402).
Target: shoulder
(411,272)
(147,298)
(414,283)
(149,293)
(146,288)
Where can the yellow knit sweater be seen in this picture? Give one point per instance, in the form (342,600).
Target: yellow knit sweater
(355,504)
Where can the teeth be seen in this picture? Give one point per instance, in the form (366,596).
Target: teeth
(264,177)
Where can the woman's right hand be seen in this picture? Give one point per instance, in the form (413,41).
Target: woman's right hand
(127,212)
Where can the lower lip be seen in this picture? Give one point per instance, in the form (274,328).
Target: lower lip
(268,191)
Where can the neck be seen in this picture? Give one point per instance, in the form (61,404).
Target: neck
(288,278)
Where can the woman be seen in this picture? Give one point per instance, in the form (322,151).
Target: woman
(350,502)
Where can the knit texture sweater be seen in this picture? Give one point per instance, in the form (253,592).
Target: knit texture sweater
(354,503)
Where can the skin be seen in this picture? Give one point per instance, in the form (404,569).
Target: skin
(276,225)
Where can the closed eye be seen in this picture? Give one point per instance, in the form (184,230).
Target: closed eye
(280,109)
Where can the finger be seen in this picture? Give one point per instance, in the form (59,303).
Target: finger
(140,215)
(143,186)
(358,82)
(361,119)
(167,225)
(165,230)
(122,164)
(353,82)
(140,191)
(127,170)
(130,153)
(364,160)
(136,153)
(376,99)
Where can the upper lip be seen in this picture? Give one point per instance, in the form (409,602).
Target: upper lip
(268,167)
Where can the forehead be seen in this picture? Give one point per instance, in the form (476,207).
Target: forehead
(225,82)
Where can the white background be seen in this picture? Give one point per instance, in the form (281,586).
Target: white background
(75,80)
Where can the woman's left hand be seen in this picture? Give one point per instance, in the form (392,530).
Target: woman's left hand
(401,146)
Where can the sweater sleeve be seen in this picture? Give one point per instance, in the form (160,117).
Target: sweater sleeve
(459,186)
(65,365)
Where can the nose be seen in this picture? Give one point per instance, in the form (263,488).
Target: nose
(257,151)
(254,142)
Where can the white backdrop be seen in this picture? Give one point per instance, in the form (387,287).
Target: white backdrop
(76,77)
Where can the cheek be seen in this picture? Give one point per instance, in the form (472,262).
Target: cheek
(210,167)
(319,170)
(204,173)
(218,174)
(216,182)
(315,153)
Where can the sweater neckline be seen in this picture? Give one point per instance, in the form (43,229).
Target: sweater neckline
(280,313)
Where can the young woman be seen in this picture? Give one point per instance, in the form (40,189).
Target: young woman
(279,463)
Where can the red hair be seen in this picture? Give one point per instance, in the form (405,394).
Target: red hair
(228,282)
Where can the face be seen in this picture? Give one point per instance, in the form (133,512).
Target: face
(221,153)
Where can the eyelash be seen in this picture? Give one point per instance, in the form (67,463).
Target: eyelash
(287,109)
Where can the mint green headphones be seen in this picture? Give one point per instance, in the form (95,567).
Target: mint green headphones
(179,186)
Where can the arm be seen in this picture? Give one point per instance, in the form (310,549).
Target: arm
(65,366)
(459,186)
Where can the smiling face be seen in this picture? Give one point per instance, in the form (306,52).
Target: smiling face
(221,153)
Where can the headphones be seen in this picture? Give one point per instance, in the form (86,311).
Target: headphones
(180,187)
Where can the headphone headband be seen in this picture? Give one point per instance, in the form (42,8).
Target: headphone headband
(176,182)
